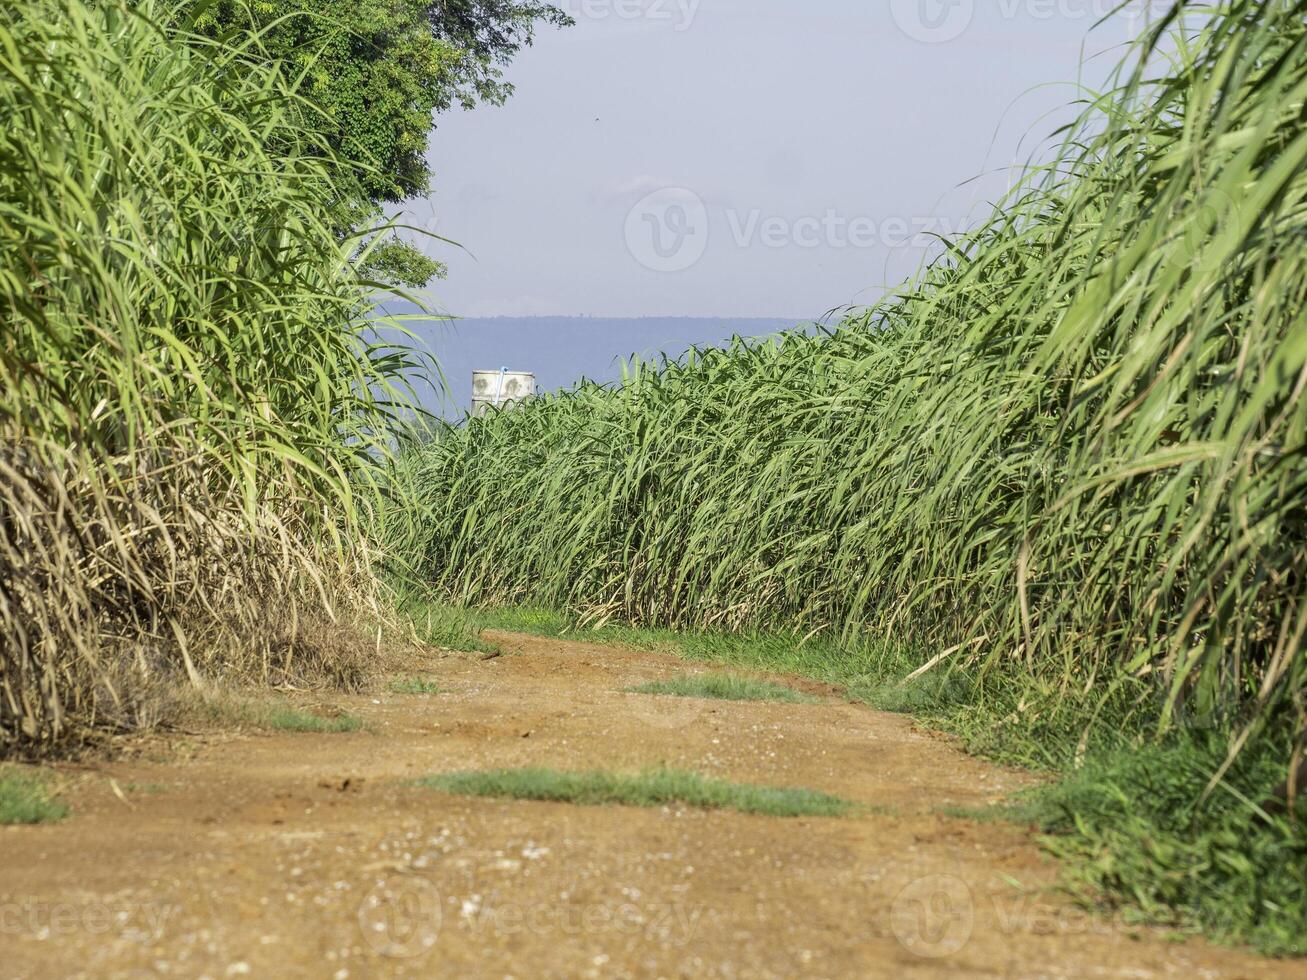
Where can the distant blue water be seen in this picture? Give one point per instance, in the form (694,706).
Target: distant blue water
(563,350)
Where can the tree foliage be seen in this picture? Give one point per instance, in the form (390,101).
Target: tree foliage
(380,70)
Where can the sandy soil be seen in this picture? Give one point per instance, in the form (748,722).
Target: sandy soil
(314,855)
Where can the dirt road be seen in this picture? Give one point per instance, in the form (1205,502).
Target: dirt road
(315,855)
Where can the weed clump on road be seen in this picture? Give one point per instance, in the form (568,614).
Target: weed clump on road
(651,788)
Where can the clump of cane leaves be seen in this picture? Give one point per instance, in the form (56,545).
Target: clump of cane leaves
(194,409)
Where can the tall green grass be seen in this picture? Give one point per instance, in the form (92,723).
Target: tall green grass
(194,412)
(1070,456)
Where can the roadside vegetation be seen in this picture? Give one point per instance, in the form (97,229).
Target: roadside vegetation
(414,685)
(1058,480)
(26,798)
(274,716)
(439,625)
(652,788)
(193,401)
(200,393)
(283,718)
(724,687)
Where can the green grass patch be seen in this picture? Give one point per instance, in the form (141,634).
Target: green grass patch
(651,788)
(724,687)
(26,798)
(283,718)
(442,625)
(278,717)
(1009,811)
(536,620)
(414,685)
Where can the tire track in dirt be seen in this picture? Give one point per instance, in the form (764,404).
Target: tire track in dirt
(313,855)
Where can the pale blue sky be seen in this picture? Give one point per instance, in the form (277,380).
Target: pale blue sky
(810,146)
